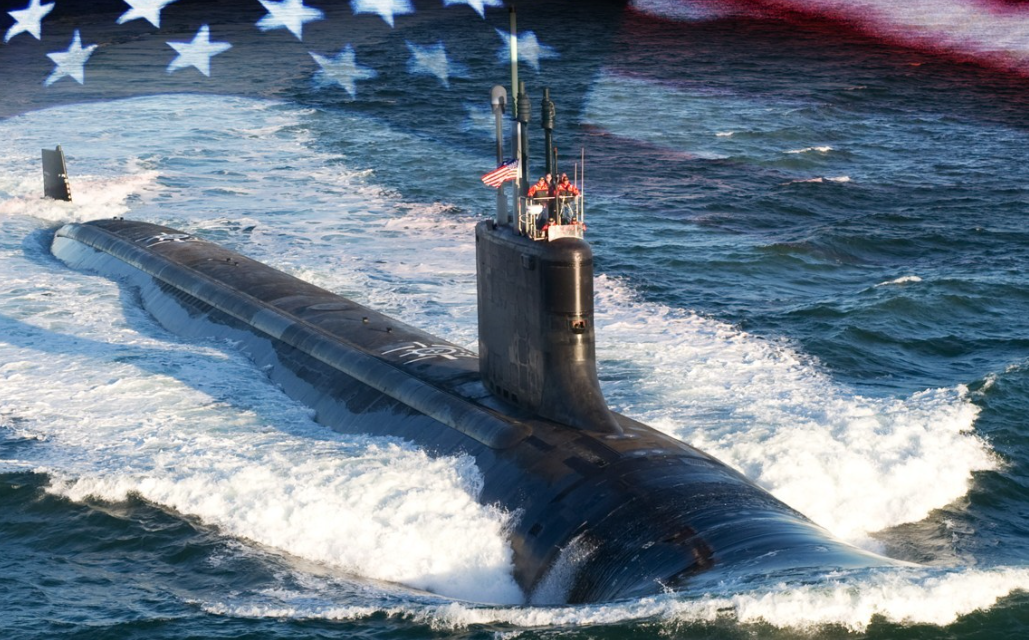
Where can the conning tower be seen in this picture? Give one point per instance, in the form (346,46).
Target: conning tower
(535,291)
(536,336)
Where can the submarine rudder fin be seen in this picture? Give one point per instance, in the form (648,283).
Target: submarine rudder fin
(55,175)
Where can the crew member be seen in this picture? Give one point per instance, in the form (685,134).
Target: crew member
(541,189)
(565,187)
(540,193)
(566,192)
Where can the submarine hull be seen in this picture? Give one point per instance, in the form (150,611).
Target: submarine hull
(618,512)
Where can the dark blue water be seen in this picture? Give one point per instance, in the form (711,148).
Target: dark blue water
(813,227)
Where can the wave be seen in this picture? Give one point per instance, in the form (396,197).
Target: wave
(128,411)
(92,197)
(200,431)
(821,149)
(853,602)
(900,280)
(855,465)
(821,179)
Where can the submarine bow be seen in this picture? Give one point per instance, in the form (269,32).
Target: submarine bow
(605,507)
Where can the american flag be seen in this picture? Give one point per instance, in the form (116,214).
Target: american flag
(506,171)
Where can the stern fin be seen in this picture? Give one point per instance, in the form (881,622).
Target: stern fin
(55,175)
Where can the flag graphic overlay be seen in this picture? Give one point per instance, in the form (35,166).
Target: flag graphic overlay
(425,67)
(401,60)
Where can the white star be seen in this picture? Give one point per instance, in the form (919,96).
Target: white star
(432,60)
(385,8)
(70,62)
(289,14)
(198,52)
(478,5)
(479,120)
(148,9)
(343,70)
(28,20)
(530,50)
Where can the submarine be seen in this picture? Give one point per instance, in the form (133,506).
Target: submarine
(604,507)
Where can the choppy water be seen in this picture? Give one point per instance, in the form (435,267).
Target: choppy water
(811,256)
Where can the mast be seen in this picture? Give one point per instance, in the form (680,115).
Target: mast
(514,58)
(522,125)
(498,98)
(547,121)
(522,181)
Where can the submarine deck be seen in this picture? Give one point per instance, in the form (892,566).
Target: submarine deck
(639,511)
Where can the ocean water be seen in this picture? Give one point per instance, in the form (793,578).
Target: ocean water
(811,255)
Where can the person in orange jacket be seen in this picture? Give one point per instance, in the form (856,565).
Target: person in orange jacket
(541,189)
(540,192)
(565,192)
(565,186)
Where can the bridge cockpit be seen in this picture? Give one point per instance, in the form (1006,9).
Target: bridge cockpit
(551,217)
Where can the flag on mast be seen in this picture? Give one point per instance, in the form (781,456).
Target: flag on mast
(503,173)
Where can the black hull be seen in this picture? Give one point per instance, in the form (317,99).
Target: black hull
(602,514)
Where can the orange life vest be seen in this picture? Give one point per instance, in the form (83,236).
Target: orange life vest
(541,188)
(566,188)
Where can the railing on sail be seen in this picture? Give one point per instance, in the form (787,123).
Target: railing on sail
(551,218)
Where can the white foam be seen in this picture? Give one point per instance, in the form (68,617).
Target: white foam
(197,430)
(122,409)
(92,197)
(855,465)
(900,280)
(383,511)
(933,597)
(554,587)
(821,149)
(822,179)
